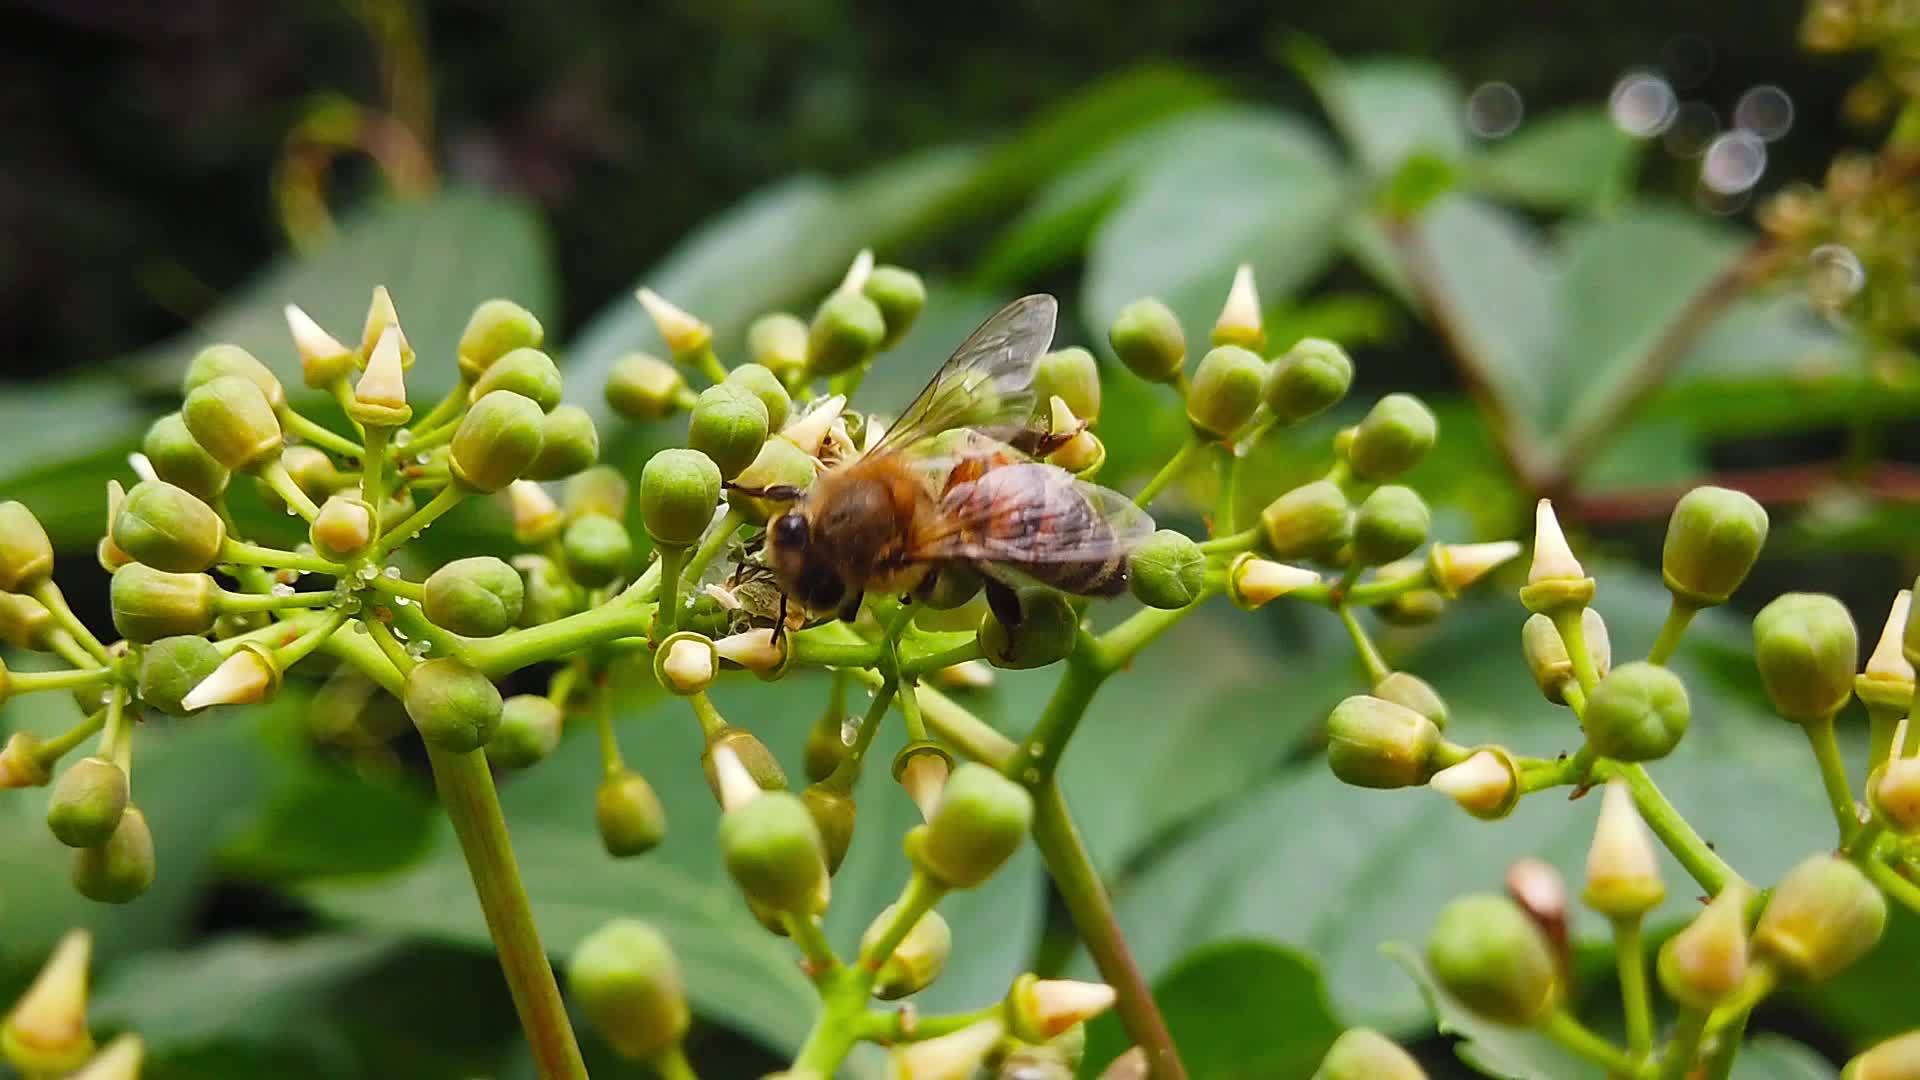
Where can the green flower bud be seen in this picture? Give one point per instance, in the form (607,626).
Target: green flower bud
(1703,964)
(1547,655)
(1638,713)
(46,1031)
(1047,632)
(26,555)
(25,623)
(899,294)
(1146,336)
(599,490)
(171,667)
(1713,539)
(1373,743)
(981,821)
(846,331)
(1413,692)
(1365,1054)
(233,422)
(455,707)
(496,328)
(778,342)
(179,460)
(1396,433)
(1311,378)
(775,854)
(678,491)
(1168,571)
(497,440)
(729,426)
(1824,915)
(914,963)
(1389,525)
(598,550)
(1071,375)
(954,588)
(627,981)
(753,755)
(121,869)
(1226,390)
(1897,1058)
(529,730)
(1493,959)
(833,814)
(765,385)
(1309,521)
(569,444)
(87,802)
(475,597)
(779,463)
(528,372)
(549,593)
(1806,648)
(825,749)
(20,763)
(150,604)
(167,528)
(628,814)
(313,472)
(343,529)
(215,361)
(644,387)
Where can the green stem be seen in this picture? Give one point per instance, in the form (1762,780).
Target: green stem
(447,408)
(1233,543)
(1833,775)
(116,744)
(1683,1046)
(671,1064)
(922,663)
(283,485)
(1629,948)
(711,722)
(394,586)
(712,545)
(707,362)
(241,553)
(516,649)
(55,602)
(1582,1041)
(52,750)
(1902,891)
(847,772)
(373,468)
(1881,722)
(806,933)
(611,763)
(1573,636)
(303,646)
(961,729)
(343,394)
(917,897)
(449,497)
(671,558)
(1092,910)
(383,638)
(233,603)
(1370,657)
(62,644)
(466,789)
(33,682)
(1700,861)
(1170,471)
(1679,616)
(295,424)
(1037,756)
(1728,1023)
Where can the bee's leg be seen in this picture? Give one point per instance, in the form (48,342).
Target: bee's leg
(776,492)
(780,622)
(1047,443)
(850,608)
(1004,602)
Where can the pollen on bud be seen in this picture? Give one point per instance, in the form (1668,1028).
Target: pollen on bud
(1485,785)
(1623,870)
(1555,579)
(1824,915)
(247,676)
(1239,321)
(380,397)
(323,358)
(536,517)
(46,1033)
(687,663)
(754,650)
(1254,582)
(917,961)
(1887,680)
(809,430)
(1706,961)
(950,1057)
(1365,1054)
(1456,567)
(1042,1009)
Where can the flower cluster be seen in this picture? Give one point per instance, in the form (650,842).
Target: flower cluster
(689,598)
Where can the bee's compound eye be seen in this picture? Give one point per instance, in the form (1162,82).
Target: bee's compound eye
(790,530)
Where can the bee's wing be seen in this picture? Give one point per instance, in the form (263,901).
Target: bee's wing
(987,384)
(1030,514)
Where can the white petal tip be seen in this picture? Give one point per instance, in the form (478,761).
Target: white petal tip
(1552,557)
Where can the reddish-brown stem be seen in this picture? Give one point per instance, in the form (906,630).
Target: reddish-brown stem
(1775,486)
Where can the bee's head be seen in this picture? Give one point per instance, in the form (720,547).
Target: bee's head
(802,572)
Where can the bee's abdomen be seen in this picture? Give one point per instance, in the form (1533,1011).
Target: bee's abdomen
(1039,534)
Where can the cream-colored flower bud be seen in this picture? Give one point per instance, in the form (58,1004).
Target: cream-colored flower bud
(1485,785)
(685,335)
(1555,579)
(1623,868)
(1887,680)
(949,1057)
(754,650)
(807,430)
(248,676)
(46,1033)
(322,357)
(120,1060)
(1042,1009)
(1239,321)
(380,397)
(1254,581)
(1455,567)
(536,517)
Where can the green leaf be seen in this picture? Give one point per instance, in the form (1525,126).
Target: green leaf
(1571,159)
(737,973)
(1237,1011)
(1497,1050)
(1264,189)
(1387,109)
(1305,860)
(1775,1057)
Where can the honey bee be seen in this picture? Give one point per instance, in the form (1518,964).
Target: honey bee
(954,483)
